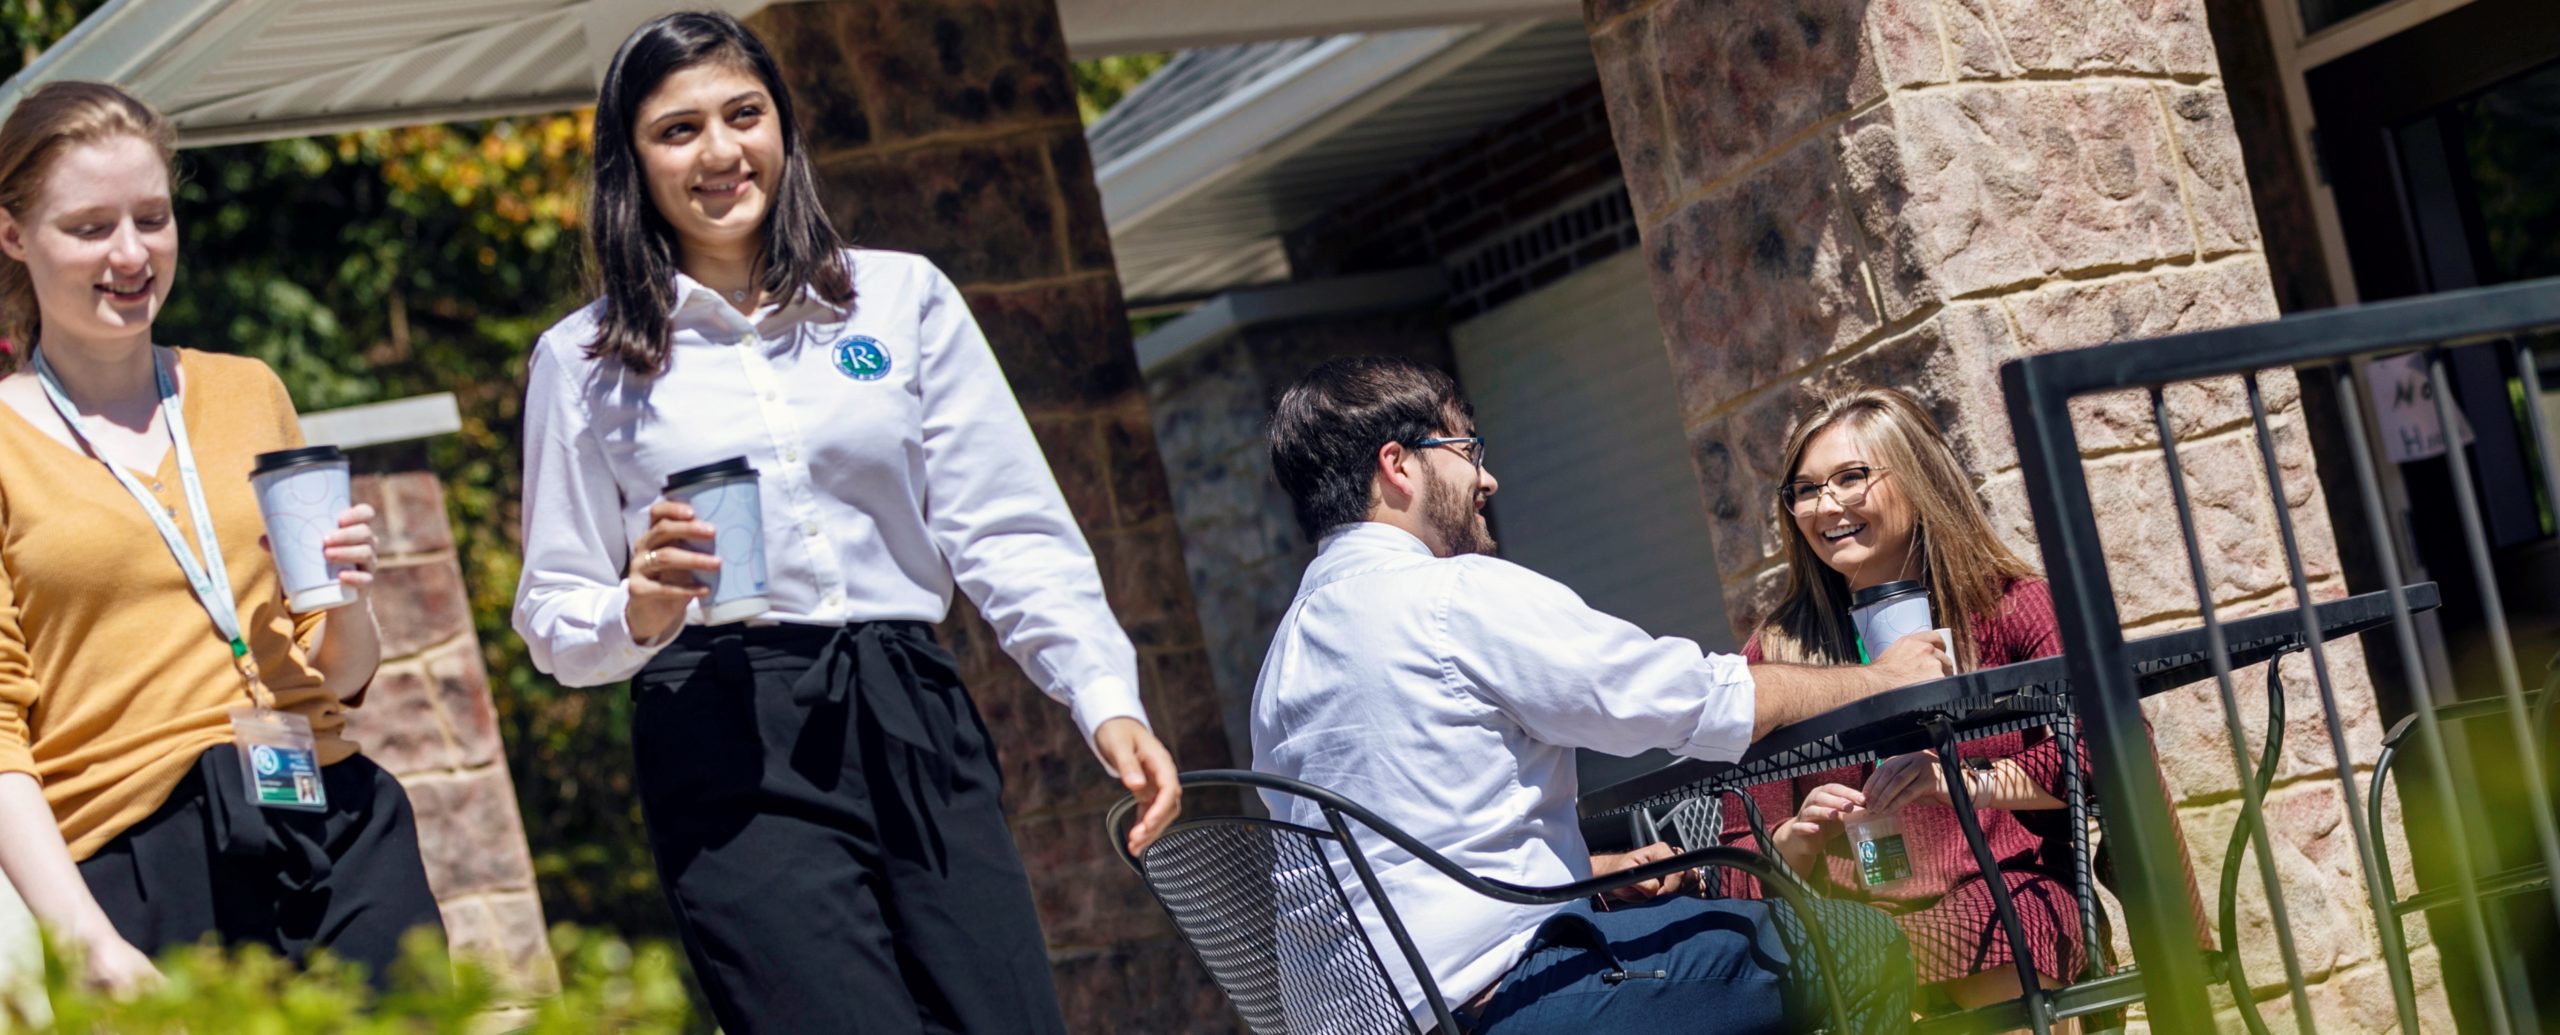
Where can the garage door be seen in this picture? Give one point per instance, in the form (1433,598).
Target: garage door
(1574,396)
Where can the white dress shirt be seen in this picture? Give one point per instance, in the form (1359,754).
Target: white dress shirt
(1447,695)
(882,488)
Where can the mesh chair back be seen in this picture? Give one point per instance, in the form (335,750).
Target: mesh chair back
(1258,902)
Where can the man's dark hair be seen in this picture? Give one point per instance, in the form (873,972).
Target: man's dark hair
(1327,428)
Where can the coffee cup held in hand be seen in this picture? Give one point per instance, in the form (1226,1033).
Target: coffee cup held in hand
(1890,611)
(301,494)
(728,495)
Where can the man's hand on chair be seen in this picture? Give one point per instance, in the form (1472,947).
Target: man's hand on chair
(1605,863)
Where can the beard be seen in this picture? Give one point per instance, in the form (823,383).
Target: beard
(1451,512)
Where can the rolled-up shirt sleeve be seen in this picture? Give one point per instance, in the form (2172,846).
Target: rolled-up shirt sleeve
(997,515)
(570,596)
(1574,676)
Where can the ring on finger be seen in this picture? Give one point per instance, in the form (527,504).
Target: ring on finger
(648,560)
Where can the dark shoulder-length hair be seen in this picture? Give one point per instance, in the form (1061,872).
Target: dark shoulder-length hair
(634,250)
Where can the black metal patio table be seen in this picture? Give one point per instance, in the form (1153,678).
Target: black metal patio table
(1941,713)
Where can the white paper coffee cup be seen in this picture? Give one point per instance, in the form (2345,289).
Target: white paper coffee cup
(301,493)
(1889,612)
(727,495)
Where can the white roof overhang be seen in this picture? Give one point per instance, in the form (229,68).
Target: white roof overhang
(228,71)
(1096,27)
(1194,207)
(1200,205)
(239,70)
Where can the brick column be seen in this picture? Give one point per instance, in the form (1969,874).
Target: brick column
(1908,192)
(428,719)
(950,129)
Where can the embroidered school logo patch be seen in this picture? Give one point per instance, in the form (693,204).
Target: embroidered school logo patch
(861,358)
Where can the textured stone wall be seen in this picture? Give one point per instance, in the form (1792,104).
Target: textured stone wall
(1240,540)
(949,128)
(1908,192)
(428,719)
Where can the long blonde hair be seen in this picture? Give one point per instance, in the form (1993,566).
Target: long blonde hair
(1966,567)
(49,120)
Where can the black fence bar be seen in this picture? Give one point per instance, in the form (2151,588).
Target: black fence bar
(2376,881)
(2253,809)
(2536,424)
(2422,704)
(2039,392)
(2158,914)
(2306,340)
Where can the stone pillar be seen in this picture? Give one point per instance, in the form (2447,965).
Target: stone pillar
(428,719)
(950,129)
(1908,192)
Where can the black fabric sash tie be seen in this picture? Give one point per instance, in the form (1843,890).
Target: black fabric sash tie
(902,675)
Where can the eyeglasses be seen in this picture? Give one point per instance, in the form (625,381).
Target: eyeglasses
(1847,486)
(1474,444)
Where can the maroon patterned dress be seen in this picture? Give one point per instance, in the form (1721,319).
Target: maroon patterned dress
(1945,905)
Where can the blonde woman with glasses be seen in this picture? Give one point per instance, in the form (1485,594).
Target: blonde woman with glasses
(1873,496)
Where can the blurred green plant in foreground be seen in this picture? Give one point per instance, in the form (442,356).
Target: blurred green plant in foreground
(606,985)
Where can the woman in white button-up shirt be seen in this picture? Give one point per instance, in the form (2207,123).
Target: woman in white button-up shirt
(821,796)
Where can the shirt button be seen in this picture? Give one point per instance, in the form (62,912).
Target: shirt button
(790,456)
(811,528)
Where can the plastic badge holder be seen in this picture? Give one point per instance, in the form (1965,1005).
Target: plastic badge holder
(279,760)
(1884,860)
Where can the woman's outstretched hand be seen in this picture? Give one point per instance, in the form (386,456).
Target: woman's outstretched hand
(1146,769)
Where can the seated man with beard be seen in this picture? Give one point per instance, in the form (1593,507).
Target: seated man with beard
(1447,690)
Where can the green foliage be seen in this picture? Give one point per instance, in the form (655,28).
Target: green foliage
(1101,82)
(606,985)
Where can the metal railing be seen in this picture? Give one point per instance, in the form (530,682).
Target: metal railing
(2324,351)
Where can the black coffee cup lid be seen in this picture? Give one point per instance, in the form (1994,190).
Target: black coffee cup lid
(1885,591)
(731,467)
(284,458)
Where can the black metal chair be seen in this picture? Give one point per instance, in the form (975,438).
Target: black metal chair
(2516,880)
(1257,901)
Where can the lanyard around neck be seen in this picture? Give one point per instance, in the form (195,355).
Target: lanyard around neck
(210,580)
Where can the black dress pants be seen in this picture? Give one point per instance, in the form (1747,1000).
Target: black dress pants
(348,880)
(823,805)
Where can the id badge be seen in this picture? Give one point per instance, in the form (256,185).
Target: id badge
(279,762)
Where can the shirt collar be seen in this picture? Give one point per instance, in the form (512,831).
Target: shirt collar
(1365,536)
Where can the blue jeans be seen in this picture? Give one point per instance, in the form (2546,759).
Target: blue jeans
(1699,965)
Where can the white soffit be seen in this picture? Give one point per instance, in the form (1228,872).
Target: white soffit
(1198,206)
(1097,27)
(229,71)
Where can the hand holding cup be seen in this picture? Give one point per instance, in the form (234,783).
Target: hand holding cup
(1916,658)
(661,577)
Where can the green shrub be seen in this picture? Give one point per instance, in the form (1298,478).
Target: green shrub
(606,985)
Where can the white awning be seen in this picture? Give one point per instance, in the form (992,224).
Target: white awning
(238,70)
(233,70)
(1198,199)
